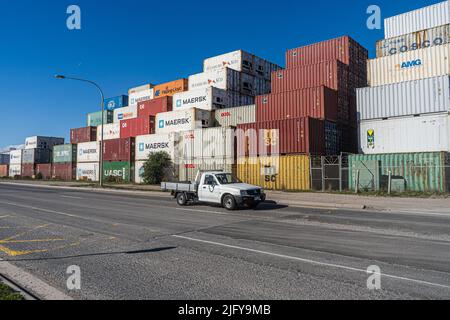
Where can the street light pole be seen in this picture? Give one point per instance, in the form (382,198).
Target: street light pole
(103,120)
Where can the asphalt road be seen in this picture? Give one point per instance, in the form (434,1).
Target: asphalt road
(146,247)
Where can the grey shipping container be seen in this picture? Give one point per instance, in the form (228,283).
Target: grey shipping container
(36,156)
(42,142)
(66,153)
(431,95)
(231,117)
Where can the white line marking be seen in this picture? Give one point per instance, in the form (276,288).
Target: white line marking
(70,197)
(311,261)
(202,211)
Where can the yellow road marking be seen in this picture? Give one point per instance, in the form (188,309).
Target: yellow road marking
(31,241)
(15,253)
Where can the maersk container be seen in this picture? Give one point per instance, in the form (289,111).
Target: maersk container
(35,156)
(170,174)
(413,41)
(88,171)
(426,133)
(116,102)
(119,150)
(225,78)
(95,119)
(42,142)
(148,144)
(4,170)
(420,19)
(82,135)
(188,169)
(430,95)
(140,94)
(118,171)
(110,131)
(231,117)
(15,157)
(209,99)
(183,120)
(421,172)
(125,113)
(66,153)
(411,65)
(15,170)
(88,152)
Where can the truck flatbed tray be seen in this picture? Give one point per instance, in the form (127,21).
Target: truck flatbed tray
(179,186)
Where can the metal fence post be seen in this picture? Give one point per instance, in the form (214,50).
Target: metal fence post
(340,173)
(390,182)
(357,182)
(322,161)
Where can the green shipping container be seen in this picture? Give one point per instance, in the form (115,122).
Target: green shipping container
(95,119)
(118,171)
(66,153)
(421,172)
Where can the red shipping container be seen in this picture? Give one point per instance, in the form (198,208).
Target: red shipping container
(119,150)
(4,170)
(28,170)
(45,170)
(132,128)
(82,135)
(318,102)
(64,171)
(290,136)
(151,108)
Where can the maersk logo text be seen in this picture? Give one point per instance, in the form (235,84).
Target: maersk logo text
(179,103)
(175,122)
(409,64)
(161,124)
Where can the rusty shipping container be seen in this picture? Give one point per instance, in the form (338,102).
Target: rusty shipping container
(45,170)
(151,108)
(319,102)
(170,88)
(137,127)
(64,171)
(4,171)
(82,135)
(119,150)
(289,136)
(28,170)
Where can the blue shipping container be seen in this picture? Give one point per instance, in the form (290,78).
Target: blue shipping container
(116,102)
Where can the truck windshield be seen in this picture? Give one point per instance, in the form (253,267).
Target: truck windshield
(227,178)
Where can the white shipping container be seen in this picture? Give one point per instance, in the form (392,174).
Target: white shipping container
(15,157)
(183,120)
(88,172)
(171,173)
(420,19)
(231,117)
(15,170)
(428,133)
(145,145)
(188,169)
(88,152)
(411,65)
(111,131)
(431,95)
(225,78)
(210,99)
(139,94)
(125,113)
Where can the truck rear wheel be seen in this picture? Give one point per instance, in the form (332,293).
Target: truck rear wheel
(181,199)
(228,202)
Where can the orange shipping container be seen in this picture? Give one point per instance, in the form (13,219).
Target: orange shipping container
(170,88)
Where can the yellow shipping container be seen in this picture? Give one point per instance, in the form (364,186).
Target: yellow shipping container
(276,173)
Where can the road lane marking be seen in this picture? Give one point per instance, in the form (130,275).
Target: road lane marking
(70,197)
(7,216)
(15,253)
(309,261)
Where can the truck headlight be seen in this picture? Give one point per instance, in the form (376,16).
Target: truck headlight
(244,193)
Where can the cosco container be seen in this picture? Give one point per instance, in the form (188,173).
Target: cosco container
(118,171)
(137,127)
(140,94)
(95,119)
(231,117)
(88,172)
(183,120)
(420,19)
(430,95)
(411,65)
(4,170)
(148,144)
(66,153)
(170,173)
(15,170)
(35,156)
(125,113)
(116,102)
(188,169)
(64,171)
(42,142)
(276,173)
(151,108)
(110,131)
(28,170)
(45,170)
(15,157)
(88,152)
(170,88)
(209,99)
(119,150)
(413,41)
(82,135)
(427,133)
(317,102)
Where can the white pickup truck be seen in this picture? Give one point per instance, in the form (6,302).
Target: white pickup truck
(216,187)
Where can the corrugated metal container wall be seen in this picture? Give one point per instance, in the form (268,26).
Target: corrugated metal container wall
(28,170)
(170,88)
(65,153)
(4,170)
(413,41)
(45,170)
(88,171)
(209,99)
(171,174)
(420,19)
(139,94)
(64,171)
(431,95)
(276,173)
(110,131)
(145,145)
(82,135)
(125,113)
(183,120)
(427,133)
(188,169)
(118,171)
(332,139)
(137,127)
(88,152)
(151,108)
(42,142)
(95,119)
(318,102)
(291,136)
(15,170)
(35,156)
(231,117)
(119,150)
(236,99)
(422,172)
(15,157)
(116,102)
(411,65)
(4,158)
(226,79)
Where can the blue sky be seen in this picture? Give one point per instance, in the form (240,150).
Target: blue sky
(127,43)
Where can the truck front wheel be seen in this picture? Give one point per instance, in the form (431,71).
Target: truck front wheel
(181,199)
(229,203)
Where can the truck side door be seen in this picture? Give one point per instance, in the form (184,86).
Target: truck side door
(209,189)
